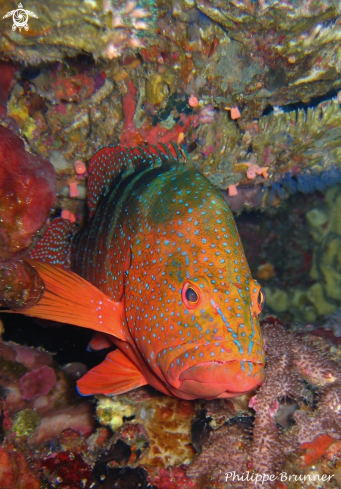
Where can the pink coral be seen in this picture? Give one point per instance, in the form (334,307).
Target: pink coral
(193,101)
(37,383)
(232,190)
(30,357)
(234,111)
(80,167)
(255,170)
(74,192)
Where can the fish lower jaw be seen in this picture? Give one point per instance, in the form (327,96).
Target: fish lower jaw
(214,379)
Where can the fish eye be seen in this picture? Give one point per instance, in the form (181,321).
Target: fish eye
(191,295)
(261,299)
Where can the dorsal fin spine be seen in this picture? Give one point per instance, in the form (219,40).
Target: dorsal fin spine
(118,161)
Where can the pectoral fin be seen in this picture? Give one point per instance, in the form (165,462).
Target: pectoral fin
(115,375)
(68,298)
(100,341)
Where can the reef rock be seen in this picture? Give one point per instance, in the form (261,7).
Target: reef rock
(27,193)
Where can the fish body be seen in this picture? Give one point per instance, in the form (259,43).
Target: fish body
(163,248)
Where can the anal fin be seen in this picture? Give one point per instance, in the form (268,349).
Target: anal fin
(115,375)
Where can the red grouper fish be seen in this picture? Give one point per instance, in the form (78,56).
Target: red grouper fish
(161,268)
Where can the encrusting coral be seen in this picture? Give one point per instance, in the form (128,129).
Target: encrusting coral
(163,73)
(103,29)
(40,396)
(291,364)
(292,151)
(27,193)
(283,35)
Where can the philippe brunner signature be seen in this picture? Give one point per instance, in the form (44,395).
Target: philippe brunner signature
(283,477)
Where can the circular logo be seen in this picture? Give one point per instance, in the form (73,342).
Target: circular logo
(20,18)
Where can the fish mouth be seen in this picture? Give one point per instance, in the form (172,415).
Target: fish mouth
(211,380)
(190,372)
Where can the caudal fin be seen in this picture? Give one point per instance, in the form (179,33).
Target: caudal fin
(68,298)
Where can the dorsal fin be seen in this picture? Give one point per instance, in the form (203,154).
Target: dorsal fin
(115,161)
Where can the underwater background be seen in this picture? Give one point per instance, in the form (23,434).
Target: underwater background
(251,91)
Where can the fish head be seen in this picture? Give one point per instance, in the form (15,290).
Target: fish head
(197,325)
(224,355)
(191,304)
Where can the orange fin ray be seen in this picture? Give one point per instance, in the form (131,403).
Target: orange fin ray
(115,375)
(69,298)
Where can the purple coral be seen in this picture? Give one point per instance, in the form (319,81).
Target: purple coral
(37,383)
(327,419)
(290,361)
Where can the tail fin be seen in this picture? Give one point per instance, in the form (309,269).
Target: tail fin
(68,298)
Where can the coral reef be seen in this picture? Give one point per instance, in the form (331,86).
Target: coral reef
(40,411)
(25,179)
(251,90)
(27,193)
(167,423)
(14,473)
(290,362)
(163,73)
(146,439)
(103,30)
(8,71)
(326,269)
(333,323)
(283,37)
(292,151)
(40,401)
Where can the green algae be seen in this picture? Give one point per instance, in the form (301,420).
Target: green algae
(25,422)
